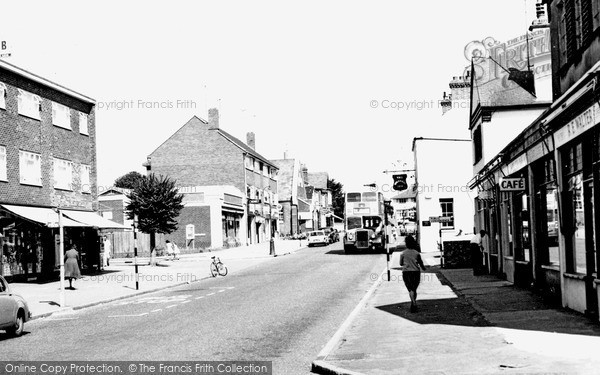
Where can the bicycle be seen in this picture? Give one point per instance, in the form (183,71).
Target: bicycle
(217,267)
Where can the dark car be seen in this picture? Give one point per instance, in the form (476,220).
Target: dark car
(333,234)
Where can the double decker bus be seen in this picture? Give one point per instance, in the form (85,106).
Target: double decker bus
(364,221)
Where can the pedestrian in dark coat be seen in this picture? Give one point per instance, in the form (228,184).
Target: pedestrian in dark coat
(72,265)
(476,247)
(411,263)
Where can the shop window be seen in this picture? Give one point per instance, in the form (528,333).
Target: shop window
(61,116)
(84,176)
(83,124)
(447,211)
(549,201)
(575,188)
(29,104)
(3,176)
(63,174)
(509,227)
(525,229)
(2,96)
(30,168)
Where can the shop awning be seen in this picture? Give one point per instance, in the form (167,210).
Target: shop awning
(41,215)
(92,219)
(233,209)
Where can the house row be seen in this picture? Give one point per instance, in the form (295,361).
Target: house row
(233,195)
(534,144)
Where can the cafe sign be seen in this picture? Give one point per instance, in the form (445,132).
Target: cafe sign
(512,184)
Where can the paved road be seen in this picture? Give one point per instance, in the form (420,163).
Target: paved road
(284,310)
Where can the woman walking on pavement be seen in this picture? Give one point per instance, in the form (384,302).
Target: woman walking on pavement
(72,265)
(411,263)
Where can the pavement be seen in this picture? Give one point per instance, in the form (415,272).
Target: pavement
(464,325)
(118,281)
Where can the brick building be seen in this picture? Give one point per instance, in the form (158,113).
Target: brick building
(201,155)
(47,161)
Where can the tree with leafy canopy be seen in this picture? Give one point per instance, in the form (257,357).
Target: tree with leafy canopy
(129,180)
(337,196)
(157,204)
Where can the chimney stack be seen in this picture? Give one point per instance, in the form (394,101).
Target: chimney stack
(213,118)
(304,173)
(251,140)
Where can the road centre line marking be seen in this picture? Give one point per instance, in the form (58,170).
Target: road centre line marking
(199,297)
(210,294)
(157,310)
(168,307)
(62,318)
(186,301)
(134,315)
(221,291)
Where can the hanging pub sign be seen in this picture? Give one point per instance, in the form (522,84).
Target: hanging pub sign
(400,182)
(512,184)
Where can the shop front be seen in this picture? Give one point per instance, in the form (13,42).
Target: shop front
(231,224)
(30,241)
(579,156)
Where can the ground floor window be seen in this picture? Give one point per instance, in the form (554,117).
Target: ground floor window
(231,229)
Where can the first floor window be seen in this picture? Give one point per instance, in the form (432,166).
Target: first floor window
(83,123)
(29,104)
(30,168)
(2,96)
(447,211)
(85,178)
(61,116)
(63,174)
(3,163)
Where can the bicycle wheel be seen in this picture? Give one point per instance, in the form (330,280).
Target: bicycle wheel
(222,269)
(213,270)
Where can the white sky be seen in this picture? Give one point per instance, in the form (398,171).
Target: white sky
(300,75)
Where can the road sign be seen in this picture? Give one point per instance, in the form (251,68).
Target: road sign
(440,219)
(190,231)
(512,184)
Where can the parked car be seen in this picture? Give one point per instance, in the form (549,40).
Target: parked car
(318,237)
(14,311)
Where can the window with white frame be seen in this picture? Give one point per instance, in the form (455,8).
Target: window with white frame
(85,173)
(61,116)
(3,176)
(83,123)
(63,174)
(29,104)
(2,96)
(30,168)
(249,163)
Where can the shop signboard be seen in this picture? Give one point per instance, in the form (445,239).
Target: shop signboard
(440,219)
(585,121)
(512,184)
